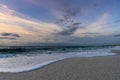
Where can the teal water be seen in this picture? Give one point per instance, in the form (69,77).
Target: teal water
(6,52)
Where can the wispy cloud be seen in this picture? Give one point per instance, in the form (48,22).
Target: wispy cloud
(29,29)
(69,15)
(96,27)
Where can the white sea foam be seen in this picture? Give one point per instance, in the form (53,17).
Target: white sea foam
(115,48)
(27,63)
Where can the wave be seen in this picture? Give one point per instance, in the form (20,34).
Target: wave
(22,63)
(20,49)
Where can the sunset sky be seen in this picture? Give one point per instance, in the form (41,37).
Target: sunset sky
(81,22)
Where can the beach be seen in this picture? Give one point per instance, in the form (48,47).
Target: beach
(86,68)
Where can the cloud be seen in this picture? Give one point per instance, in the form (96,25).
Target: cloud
(67,28)
(68,14)
(90,33)
(96,27)
(6,34)
(10,34)
(68,31)
(16,35)
(8,38)
(117,35)
(30,29)
(65,11)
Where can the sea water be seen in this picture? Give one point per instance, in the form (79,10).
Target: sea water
(29,58)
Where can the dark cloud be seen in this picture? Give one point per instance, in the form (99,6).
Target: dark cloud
(16,35)
(69,9)
(8,38)
(90,33)
(10,34)
(77,23)
(69,12)
(6,34)
(70,26)
(68,31)
(118,35)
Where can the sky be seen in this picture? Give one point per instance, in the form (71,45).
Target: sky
(74,22)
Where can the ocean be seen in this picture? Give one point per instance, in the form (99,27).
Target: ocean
(21,59)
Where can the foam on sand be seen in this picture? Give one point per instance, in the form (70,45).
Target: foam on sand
(24,63)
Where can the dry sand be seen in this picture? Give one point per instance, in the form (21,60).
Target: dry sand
(92,68)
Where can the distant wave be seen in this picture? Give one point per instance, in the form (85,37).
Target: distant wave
(22,49)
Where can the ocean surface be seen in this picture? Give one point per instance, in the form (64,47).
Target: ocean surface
(21,59)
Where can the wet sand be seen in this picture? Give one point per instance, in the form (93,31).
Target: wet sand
(91,68)
(116,51)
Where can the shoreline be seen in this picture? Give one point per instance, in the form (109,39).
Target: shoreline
(116,51)
(83,68)
(28,65)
